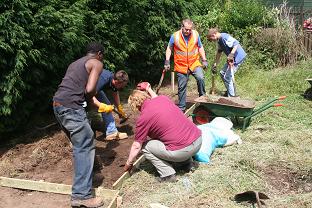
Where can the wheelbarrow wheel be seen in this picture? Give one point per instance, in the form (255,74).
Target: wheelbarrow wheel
(202,115)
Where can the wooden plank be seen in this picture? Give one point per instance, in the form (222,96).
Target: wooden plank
(172,81)
(310,42)
(114,203)
(190,110)
(127,175)
(50,187)
(35,185)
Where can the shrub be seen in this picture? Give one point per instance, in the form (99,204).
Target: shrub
(281,44)
(38,39)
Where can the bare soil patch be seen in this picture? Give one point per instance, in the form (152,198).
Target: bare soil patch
(46,155)
(286,181)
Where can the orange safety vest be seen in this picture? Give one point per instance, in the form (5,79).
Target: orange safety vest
(186,56)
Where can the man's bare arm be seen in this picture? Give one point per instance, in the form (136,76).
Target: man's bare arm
(168,53)
(116,98)
(95,68)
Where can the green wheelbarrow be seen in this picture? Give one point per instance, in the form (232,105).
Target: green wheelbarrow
(208,107)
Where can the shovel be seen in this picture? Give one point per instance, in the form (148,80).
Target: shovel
(213,84)
(252,197)
(123,119)
(160,81)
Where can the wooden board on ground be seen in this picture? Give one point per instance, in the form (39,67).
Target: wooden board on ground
(105,194)
(127,175)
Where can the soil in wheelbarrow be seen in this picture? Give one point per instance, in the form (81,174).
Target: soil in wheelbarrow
(229,101)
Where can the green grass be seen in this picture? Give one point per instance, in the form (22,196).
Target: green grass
(275,157)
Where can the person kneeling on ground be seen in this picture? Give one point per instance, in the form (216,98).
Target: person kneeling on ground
(109,81)
(174,138)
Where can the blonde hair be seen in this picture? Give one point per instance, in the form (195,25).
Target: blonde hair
(211,32)
(137,98)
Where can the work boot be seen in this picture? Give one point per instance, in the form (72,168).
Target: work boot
(170,178)
(116,136)
(190,167)
(89,203)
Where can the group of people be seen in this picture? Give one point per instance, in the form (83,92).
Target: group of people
(188,49)
(167,143)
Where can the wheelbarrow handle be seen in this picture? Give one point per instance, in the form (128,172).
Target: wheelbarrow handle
(264,106)
(278,105)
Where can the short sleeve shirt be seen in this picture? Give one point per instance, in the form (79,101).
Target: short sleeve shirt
(105,81)
(186,38)
(226,43)
(161,119)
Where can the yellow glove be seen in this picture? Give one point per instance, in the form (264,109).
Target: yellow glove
(105,108)
(121,111)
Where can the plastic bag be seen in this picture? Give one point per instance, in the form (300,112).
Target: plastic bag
(215,134)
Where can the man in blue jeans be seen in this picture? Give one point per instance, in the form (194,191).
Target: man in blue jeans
(235,57)
(187,48)
(108,81)
(78,87)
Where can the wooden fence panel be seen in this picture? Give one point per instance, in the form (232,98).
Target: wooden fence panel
(308,41)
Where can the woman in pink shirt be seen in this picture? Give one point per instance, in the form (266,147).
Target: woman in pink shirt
(163,132)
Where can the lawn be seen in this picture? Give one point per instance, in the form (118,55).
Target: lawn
(275,157)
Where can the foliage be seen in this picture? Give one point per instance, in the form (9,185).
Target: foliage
(241,19)
(38,39)
(234,17)
(281,45)
(267,34)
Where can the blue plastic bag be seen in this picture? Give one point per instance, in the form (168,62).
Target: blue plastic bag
(212,138)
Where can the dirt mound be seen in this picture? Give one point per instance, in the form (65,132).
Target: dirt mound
(46,159)
(230,101)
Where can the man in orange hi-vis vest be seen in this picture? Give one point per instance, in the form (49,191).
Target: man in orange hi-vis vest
(187,49)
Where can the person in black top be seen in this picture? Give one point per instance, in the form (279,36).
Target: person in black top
(77,88)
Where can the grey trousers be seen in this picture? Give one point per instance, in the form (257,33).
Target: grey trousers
(155,151)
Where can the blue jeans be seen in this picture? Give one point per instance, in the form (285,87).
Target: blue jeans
(108,118)
(227,75)
(182,85)
(77,128)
